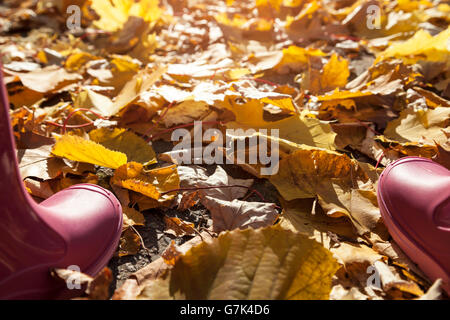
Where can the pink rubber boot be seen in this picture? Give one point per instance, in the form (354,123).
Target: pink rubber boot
(79,226)
(414,199)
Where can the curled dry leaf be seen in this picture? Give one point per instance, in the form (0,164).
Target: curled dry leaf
(130,243)
(96,288)
(151,183)
(171,254)
(178,227)
(132,217)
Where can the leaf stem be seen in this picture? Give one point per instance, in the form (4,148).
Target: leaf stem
(160,119)
(98,115)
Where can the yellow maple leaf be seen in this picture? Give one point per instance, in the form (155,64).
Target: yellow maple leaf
(78,149)
(114,13)
(335,73)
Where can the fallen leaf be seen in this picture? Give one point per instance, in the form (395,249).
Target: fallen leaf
(420,125)
(46,79)
(78,149)
(113,15)
(130,243)
(268,263)
(178,227)
(421,46)
(132,217)
(332,75)
(96,288)
(443,155)
(127,142)
(171,254)
(230,215)
(298,216)
(307,171)
(151,183)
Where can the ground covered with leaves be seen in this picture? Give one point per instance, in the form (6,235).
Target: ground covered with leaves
(348,92)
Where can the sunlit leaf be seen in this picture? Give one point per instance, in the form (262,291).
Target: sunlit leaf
(269,263)
(78,149)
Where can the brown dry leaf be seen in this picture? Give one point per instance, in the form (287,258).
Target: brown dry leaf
(418,149)
(171,254)
(221,178)
(300,129)
(443,155)
(130,243)
(188,200)
(132,217)
(40,190)
(39,163)
(151,183)
(99,288)
(393,284)
(269,263)
(89,99)
(185,112)
(230,215)
(96,288)
(178,227)
(350,134)
(68,275)
(359,205)
(220,196)
(386,77)
(138,281)
(22,96)
(432,99)
(343,186)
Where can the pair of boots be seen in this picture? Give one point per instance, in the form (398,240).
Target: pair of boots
(81,225)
